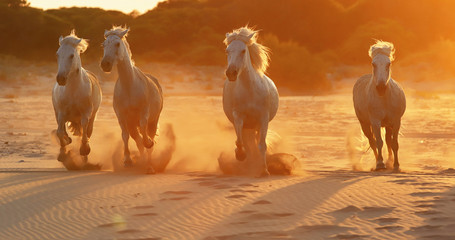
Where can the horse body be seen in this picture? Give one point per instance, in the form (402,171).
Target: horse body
(76,96)
(138,98)
(379,101)
(250,98)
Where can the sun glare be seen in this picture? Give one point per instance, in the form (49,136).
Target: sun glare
(119,5)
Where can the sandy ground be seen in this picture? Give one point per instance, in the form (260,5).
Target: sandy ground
(41,200)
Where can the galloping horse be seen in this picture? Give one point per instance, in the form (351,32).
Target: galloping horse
(76,95)
(250,98)
(379,101)
(138,98)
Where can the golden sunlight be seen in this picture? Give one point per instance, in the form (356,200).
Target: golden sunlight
(119,5)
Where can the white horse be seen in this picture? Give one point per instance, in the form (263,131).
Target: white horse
(250,98)
(138,98)
(76,95)
(379,101)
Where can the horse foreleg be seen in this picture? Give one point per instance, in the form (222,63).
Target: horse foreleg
(61,131)
(238,125)
(85,147)
(366,128)
(376,126)
(388,141)
(145,157)
(146,140)
(396,130)
(262,145)
(127,162)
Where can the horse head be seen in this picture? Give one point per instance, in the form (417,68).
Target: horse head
(237,57)
(68,56)
(115,48)
(382,57)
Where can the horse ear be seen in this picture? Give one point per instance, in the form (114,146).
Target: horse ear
(105,33)
(79,41)
(124,32)
(251,35)
(60,40)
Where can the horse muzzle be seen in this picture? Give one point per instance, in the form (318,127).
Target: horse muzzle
(380,88)
(231,74)
(61,80)
(106,65)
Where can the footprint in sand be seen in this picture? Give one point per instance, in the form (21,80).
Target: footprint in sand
(428,212)
(389,228)
(386,220)
(365,212)
(236,196)
(267,216)
(174,199)
(243,191)
(175,193)
(143,207)
(128,231)
(221,186)
(261,202)
(144,214)
(424,194)
(323,231)
(247,211)
(115,224)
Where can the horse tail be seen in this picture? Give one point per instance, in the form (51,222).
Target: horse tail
(75,128)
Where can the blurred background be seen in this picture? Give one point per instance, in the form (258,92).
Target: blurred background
(317,45)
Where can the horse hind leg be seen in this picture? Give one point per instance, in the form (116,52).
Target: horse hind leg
(240,153)
(127,162)
(262,145)
(63,137)
(152,130)
(396,164)
(143,126)
(376,127)
(85,147)
(388,140)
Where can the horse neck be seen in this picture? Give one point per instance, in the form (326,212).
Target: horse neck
(75,77)
(249,76)
(125,70)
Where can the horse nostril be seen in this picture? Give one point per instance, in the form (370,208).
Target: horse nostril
(381,88)
(231,74)
(105,65)
(61,80)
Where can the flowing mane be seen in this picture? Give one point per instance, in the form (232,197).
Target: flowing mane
(259,54)
(381,47)
(73,40)
(118,31)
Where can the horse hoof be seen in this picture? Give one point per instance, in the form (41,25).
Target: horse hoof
(84,150)
(68,140)
(264,173)
(128,163)
(380,166)
(148,143)
(396,169)
(240,154)
(150,170)
(61,157)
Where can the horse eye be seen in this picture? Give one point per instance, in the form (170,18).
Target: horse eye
(243,51)
(71,56)
(117,44)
